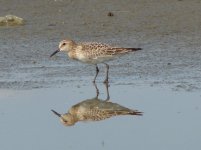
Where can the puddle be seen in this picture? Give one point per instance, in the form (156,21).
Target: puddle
(171,120)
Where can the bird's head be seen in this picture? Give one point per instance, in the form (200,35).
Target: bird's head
(65,45)
(66,119)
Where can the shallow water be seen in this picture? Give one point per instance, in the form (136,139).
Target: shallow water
(171,120)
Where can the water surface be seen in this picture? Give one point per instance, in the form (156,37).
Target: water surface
(171,120)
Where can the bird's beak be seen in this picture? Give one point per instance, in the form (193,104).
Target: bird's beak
(56,113)
(54,53)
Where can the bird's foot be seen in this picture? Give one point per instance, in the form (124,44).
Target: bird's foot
(106,81)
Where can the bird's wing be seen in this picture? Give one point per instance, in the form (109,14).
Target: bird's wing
(95,50)
(96,115)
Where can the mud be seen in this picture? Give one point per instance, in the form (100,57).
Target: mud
(168,31)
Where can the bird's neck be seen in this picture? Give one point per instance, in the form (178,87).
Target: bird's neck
(72,46)
(72,54)
(74,118)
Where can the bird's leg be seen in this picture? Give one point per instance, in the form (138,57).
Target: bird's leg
(107,91)
(97,71)
(107,72)
(97,91)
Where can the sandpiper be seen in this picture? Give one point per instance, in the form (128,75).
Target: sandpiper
(94,109)
(92,53)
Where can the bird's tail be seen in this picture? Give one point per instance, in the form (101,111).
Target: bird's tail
(134,49)
(136,113)
(128,112)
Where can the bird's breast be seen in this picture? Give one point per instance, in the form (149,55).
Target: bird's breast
(72,55)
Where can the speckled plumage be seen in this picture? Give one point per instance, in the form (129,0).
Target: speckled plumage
(94,110)
(96,53)
(92,52)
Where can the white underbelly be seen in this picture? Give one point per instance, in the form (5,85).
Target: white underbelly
(95,60)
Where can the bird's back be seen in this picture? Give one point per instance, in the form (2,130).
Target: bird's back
(94,53)
(95,109)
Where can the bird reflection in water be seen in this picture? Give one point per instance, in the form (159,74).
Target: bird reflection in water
(94,109)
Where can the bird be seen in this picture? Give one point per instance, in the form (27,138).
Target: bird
(94,109)
(92,53)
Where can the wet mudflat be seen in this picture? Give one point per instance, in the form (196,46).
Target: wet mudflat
(171,120)
(169,33)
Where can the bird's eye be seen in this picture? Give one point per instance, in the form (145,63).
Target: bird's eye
(64,120)
(64,44)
